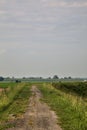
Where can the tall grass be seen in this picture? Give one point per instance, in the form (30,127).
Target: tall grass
(79,88)
(15,106)
(7,96)
(71,110)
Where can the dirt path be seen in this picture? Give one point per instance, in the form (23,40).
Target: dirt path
(38,116)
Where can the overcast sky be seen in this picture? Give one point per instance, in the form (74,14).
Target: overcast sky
(43,38)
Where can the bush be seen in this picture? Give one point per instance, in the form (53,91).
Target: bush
(1,78)
(79,88)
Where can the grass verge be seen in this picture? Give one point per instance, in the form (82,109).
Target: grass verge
(72,115)
(16,107)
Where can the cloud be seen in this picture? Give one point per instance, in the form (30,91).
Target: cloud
(67,4)
(2,2)
(3,51)
(2,12)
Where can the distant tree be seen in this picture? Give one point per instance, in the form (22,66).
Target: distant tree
(41,77)
(55,77)
(49,77)
(1,78)
(24,78)
(65,77)
(69,77)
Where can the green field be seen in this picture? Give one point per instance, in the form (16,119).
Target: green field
(67,99)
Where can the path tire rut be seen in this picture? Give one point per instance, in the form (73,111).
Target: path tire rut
(38,115)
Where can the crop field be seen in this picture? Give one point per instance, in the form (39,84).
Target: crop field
(67,99)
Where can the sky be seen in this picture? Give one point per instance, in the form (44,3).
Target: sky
(43,38)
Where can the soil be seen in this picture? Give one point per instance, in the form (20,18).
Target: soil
(38,116)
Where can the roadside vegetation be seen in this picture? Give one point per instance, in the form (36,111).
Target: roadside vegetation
(14,98)
(67,99)
(78,88)
(69,105)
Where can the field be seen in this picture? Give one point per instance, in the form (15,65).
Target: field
(67,99)
(13,102)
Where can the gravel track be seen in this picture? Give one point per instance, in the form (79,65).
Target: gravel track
(38,115)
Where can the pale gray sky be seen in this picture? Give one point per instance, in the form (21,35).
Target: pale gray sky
(43,38)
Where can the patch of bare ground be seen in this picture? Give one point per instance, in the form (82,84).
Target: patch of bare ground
(38,115)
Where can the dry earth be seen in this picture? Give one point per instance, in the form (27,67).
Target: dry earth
(38,115)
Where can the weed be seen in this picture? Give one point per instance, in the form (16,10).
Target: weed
(72,116)
(14,105)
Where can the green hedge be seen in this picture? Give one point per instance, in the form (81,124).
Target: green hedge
(79,88)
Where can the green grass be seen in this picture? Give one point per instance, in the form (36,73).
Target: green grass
(71,110)
(79,88)
(8,95)
(15,105)
(7,84)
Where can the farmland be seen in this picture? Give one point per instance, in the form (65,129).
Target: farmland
(67,99)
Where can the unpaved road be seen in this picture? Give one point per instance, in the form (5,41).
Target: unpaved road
(38,115)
